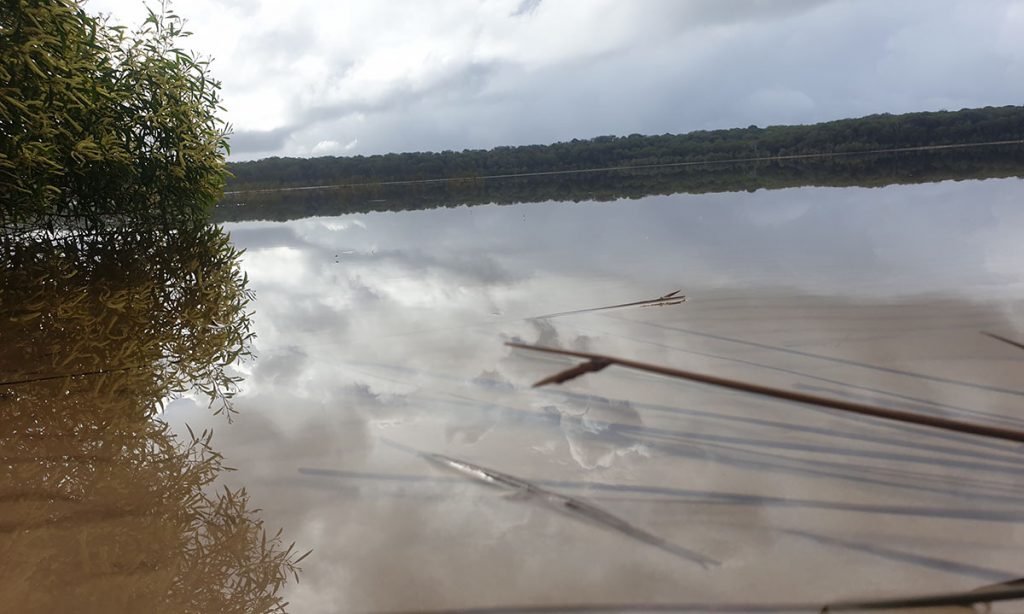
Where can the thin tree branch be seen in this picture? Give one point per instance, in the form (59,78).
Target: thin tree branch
(672,298)
(778,393)
(1015,344)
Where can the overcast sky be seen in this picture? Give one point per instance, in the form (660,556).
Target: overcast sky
(307,78)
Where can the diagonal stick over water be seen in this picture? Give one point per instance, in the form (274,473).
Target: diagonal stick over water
(577,508)
(597,362)
(1007,340)
(672,298)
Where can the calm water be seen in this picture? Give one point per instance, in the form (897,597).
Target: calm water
(389,328)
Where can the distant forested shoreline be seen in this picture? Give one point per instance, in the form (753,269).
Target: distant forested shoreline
(846,136)
(846,171)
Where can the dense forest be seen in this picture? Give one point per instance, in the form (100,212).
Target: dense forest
(842,137)
(868,170)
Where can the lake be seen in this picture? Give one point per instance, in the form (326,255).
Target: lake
(387,421)
(381,339)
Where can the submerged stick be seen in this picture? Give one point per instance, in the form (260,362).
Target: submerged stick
(47,378)
(572,506)
(600,361)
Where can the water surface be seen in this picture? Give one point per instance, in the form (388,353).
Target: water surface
(390,327)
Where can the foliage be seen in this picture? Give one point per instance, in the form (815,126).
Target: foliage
(97,123)
(125,520)
(170,305)
(845,136)
(102,507)
(115,296)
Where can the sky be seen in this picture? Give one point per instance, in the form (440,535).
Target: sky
(348,77)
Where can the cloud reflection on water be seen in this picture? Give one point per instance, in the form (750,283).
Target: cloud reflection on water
(392,325)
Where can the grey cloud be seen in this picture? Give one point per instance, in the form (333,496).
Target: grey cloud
(584,422)
(281,368)
(547,334)
(480,268)
(324,250)
(260,237)
(703,14)
(447,93)
(460,84)
(253,141)
(311,315)
(526,7)
(308,313)
(276,46)
(363,293)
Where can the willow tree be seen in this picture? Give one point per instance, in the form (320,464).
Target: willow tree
(102,507)
(170,306)
(115,296)
(99,124)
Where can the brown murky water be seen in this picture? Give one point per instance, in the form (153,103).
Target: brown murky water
(391,328)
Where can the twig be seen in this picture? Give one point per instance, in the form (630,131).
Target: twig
(574,372)
(672,298)
(788,395)
(47,378)
(1015,344)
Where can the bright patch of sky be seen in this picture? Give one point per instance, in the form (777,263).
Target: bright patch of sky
(308,78)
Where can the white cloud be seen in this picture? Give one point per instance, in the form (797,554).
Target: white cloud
(302,77)
(324,148)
